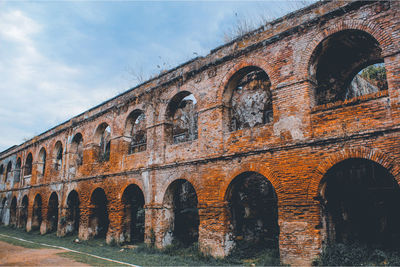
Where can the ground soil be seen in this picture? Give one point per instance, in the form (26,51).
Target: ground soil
(11,255)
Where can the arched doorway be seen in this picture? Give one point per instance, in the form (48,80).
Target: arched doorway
(23,216)
(98,219)
(13,212)
(359,200)
(133,220)
(73,213)
(181,202)
(37,213)
(52,213)
(3,209)
(253,213)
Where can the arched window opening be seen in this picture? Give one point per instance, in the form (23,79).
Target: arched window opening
(23,212)
(73,213)
(336,64)
(133,220)
(58,156)
(76,153)
(359,201)
(1,172)
(37,213)
(98,219)
(249,99)
(182,116)
(13,212)
(369,80)
(8,170)
(253,207)
(17,171)
(41,167)
(136,130)
(28,164)
(3,210)
(103,136)
(52,213)
(181,202)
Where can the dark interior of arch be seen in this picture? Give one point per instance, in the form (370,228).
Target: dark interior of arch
(28,165)
(361,204)
(17,172)
(24,212)
(37,213)
(137,132)
(13,212)
(59,155)
(3,210)
(105,142)
(251,98)
(134,214)
(254,213)
(186,214)
(98,220)
(77,150)
(182,113)
(338,59)
(52,213)
(73,215)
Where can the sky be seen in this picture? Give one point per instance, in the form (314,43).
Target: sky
(60,58)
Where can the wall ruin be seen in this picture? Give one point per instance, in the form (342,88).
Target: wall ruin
(269,103)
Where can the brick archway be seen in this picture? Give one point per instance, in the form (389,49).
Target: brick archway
(159,198)
(251,167)
(247,62)
(374,155)
(376,31)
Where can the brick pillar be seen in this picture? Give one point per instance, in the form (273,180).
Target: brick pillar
(84,231)
(213,229)
(29,219)
(149,233)
(392,75)
(162,221)
(300,235)
(43,226)
(115,215)
(63,224)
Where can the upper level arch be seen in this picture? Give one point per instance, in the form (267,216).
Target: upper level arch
(182,118)
(102,138)
(337,60)
(17,171)
(365,43)
(28,164)
(76,153)
(8,170)
(58,155)
(135,130)
(248,98)
(41,163)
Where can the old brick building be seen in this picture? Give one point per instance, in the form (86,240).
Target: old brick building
(266,139)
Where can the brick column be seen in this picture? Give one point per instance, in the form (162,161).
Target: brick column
(300,234)
(44,225)
(115,215)
(29,219)
(84,232)
(63,223)
(213,229)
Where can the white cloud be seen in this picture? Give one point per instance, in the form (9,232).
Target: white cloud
(37,92)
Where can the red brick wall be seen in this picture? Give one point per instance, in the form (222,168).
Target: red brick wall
(293,152)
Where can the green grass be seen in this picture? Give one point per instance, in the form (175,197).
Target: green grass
(19,243)
(87,259)
(143,255)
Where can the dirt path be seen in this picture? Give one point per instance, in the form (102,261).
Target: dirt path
(11,255)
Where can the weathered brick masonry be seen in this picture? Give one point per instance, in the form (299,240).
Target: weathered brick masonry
(270,104)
